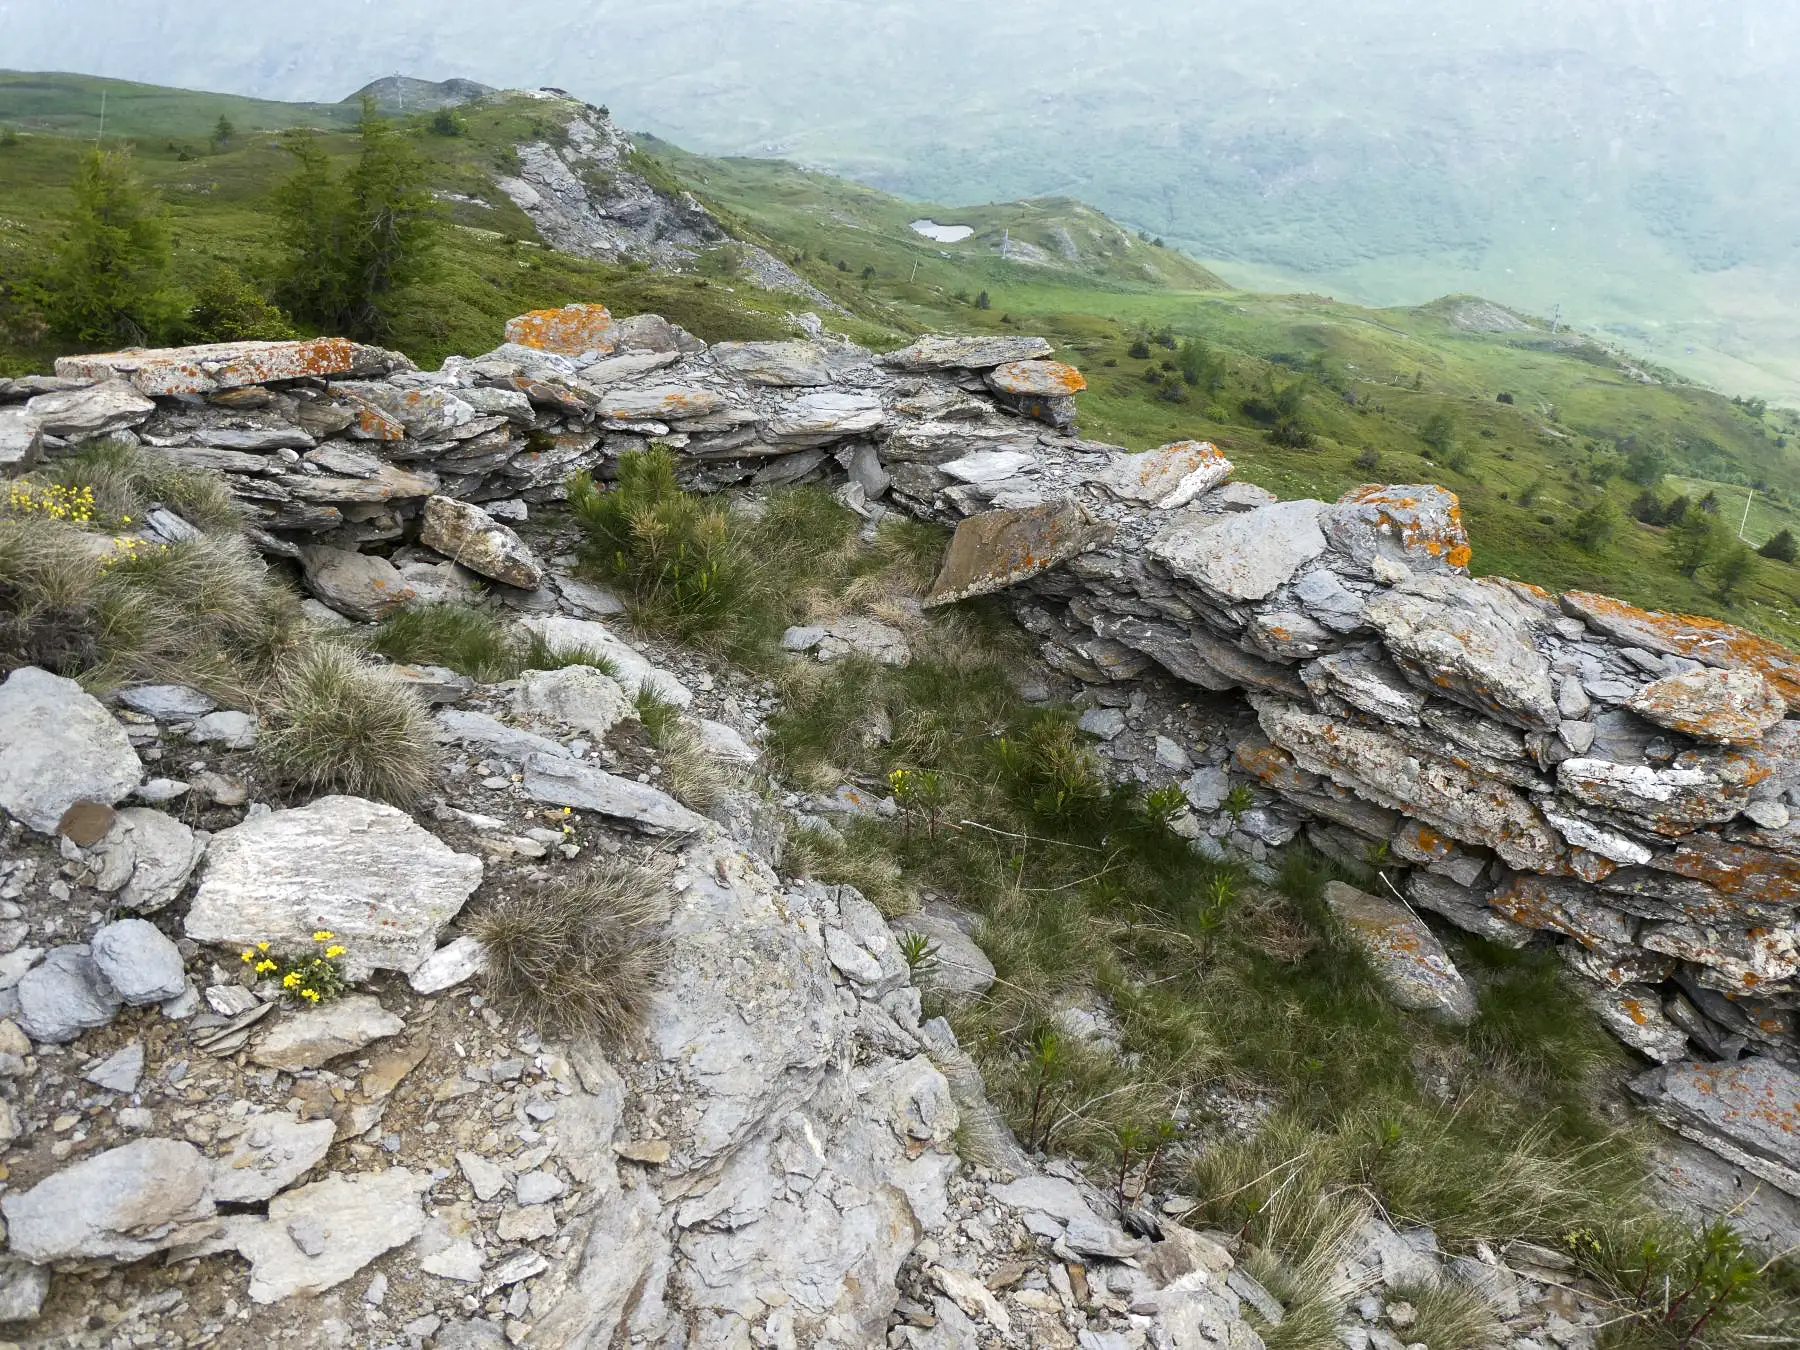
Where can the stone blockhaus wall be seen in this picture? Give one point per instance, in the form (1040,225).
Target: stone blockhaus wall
(1573,766)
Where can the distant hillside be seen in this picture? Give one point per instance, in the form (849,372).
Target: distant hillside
(404,94)
(1537,428)
(1628,162)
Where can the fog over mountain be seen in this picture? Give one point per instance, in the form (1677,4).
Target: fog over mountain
(1628,160)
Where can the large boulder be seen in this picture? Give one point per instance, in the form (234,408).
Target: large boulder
(997,549)
(1728,707)
(364,871)
(1243,556)
(575,696)
(357,585)
(466,534)
(65,995)
(1471,641)
(220,366)
(120,1205)
(1407,958)
(59,746)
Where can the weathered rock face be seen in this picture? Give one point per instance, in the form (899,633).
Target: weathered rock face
(570,331)
(361,870)
(993,551)
(1472,641)
(233,365)
(1243,557)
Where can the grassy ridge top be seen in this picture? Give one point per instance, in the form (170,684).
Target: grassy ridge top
(1402,395)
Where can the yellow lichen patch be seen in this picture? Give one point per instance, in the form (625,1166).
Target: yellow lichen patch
(1420,525)
(1044,379)
(569,331)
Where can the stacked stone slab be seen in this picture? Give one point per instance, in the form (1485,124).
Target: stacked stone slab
(1617,779)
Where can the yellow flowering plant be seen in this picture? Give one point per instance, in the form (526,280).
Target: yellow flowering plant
(315,977)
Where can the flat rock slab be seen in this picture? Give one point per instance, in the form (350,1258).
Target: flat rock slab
(466,534)
(305,1038)
(1062,1202)
(997,549)
(1747,1112)
(561,781)
(83,413)
(21,442)
(1170,476)
(1707,641)
(121,1205)
(59,746)
(783,365)
(233,365)
(1243,556)
(320,1235)
(367,872)
(1727,707)
(818,417)
(271,1153)
(167,702)
(1669,800)
(1410,962)
(1471,641)
(574,696)
(966,353)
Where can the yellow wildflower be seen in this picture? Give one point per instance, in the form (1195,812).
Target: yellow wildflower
(290,980)
(262,946)
(246,956)
(334,951)
(264,967)
(324,935)
(311,995)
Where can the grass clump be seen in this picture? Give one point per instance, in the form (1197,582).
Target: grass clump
(692,568)
(125,484)
(580,958)
(474,641)
(338,724)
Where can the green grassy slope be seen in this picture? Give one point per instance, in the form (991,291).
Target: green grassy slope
(1371,378)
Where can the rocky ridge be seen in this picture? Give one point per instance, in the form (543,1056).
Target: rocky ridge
(1572,770)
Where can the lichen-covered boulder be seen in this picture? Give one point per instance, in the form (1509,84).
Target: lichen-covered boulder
(1168,477)
(1410,962)
(1417,525)
(1708,641)
(464,533)
(216,367)
(997,549)
(1728,707)
(573,330)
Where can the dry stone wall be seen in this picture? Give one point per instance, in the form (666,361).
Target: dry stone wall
(1568,769)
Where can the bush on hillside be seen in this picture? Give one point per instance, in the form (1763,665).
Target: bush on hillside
(108,283)
(1780,547)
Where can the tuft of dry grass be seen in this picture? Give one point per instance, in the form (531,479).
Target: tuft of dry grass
(339,724)
(127,482)
(580,958)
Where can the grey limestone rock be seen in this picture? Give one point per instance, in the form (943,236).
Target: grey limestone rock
(139,962)
(59,746)
(122,1205)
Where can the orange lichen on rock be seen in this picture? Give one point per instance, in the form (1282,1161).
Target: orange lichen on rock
(569,331)
(1425,520)
(1696,637)
(1044,379)
(217,366)
(994,550)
